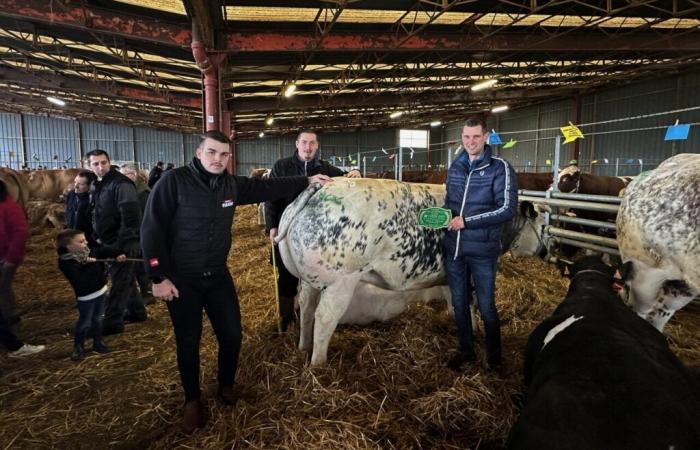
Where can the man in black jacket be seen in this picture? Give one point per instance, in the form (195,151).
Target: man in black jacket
(115,224)
(186,238)
(78,214)
(155,174)
(305,161)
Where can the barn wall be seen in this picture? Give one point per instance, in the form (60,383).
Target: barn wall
(117,140)
(11,154)
(622,143)
(51,141)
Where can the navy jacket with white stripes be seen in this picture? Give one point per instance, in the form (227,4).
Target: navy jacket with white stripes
(485,194)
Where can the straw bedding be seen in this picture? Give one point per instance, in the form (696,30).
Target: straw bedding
(385,385)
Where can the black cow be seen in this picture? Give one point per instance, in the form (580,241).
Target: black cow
(600,377)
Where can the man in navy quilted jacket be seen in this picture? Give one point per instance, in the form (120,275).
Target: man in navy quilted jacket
(482,193)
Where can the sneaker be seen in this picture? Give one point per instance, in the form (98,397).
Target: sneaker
(26,350)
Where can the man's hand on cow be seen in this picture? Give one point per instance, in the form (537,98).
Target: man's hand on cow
(323,179)
(457,223)
(273,234)
(165,290)
(354,173)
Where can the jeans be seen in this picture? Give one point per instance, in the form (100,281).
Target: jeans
(461,272)
(91,313)
(8,304)
(7,337)
(217,296)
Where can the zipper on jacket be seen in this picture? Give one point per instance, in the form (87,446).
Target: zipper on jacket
(461,211)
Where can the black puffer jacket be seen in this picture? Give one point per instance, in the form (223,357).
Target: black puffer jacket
(186,229)
(291,166)
(115,213)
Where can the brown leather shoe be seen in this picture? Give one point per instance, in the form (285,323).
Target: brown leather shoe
(193,416)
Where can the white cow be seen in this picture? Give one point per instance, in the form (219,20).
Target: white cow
(360,254)
(658,232)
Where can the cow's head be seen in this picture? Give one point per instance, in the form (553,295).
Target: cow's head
(569,179)
(523,235)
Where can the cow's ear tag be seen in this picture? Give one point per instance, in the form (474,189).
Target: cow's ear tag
(434,218)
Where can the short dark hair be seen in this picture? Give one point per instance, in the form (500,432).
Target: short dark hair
(159,163)
(91,177)
(314,132)
(475,122)
(65,236)
(96,152)
(218,136)
(3,191)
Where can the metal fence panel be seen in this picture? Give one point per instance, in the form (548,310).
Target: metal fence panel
(51,141)
(152,146)
(11,154)
(117,140)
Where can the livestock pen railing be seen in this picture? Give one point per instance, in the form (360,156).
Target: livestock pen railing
(557,234)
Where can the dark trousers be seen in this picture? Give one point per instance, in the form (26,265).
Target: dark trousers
(482,271)
(217,296)
(7,337)
(91,313)
(124,297)
(8,305)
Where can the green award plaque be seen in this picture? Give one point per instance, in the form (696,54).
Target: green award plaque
(434,218)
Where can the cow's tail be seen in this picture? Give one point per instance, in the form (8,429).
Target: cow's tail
(293,209)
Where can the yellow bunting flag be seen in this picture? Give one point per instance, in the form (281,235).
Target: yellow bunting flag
(510,144)
(548,162)
(571,133)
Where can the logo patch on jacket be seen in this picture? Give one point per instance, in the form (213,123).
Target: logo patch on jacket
(153,262)
(227,203)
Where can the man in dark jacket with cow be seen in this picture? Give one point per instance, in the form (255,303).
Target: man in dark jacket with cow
(482,193)
(115,223)
(186,240)
(305,161)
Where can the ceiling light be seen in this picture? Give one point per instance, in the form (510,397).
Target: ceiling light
(290,89)
(484,85)
(498,109)
(435,123)
(261,134)
(56,101)
(269,120)
(396,114)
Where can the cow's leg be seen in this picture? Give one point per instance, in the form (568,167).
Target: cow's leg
(308,301)
(644,288)
(335,299)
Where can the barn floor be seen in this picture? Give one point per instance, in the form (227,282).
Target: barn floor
(385,386)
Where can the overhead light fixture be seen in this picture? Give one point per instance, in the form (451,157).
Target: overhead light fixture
(261,134)
(436,123)
(270,120)
(56,101)
(484,85)
(290,89)
(396,114)
(498,109)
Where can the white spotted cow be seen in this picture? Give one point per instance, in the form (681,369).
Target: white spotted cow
(360,254)
(599,377)
(658,232)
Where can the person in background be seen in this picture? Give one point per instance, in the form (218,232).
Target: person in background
(155,174)
(142,191)
(78,213)
(87,277)
(305,161)
(186,238)
(170,166)
(115,223)
(482,193)
(14,232)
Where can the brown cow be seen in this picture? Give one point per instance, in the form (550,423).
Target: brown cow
(49,185)
(534,181)
(571,179)
(16,186)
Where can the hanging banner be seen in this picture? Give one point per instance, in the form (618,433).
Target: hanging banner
(510,144)
(677,132)
(571,133)
(494,138)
